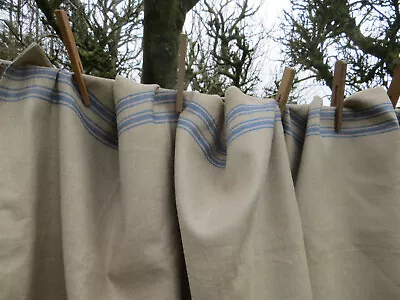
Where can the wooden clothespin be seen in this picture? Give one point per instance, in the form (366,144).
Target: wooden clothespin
(181,74)
(394,88)
(339,82)
(69,41)
(284,88)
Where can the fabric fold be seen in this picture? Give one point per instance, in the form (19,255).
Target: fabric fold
(32,56)
(146,259)
(238,215)
(59,181)
(294,121)
(126,199)
(348,193)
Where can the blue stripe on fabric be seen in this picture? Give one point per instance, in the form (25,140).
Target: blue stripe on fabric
(166,93)
(198,129)
(296,122)
(64,99)
(352,116)
(297,139)
(251,129)
(169,92)
(164,98)
(123,120)
(148,120)
(44,92)
(204,145)
(134,101)
(246,109)
(201,135)
(52,74)
(128,97)
(386,126)
(148,117)
(288,130)
(167,97)
(292,123)
(325,135)
(165,101)
(298,117)
(132,97)
(236,131)
(142,98)
(66,78)
(202,113)
(368,128)
(245,127)
(232,129)
(98,107)
(365,110)
(299,121)
(188,130)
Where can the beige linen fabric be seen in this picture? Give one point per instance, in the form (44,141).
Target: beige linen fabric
(238,214)
(149,259)
(80,220)
(294,121)
(348,190)
(102,203)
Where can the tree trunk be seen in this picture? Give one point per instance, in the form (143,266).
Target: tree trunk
(163,23)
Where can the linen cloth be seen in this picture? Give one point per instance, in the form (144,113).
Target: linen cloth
(80,219)
(348,190)
(239,219)
(229,200)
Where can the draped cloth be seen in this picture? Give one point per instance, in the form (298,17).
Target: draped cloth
(86,212)
(348,191)
(229,200)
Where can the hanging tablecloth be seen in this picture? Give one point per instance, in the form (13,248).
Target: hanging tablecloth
(229,200)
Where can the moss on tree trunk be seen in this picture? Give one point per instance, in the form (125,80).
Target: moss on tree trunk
(163,22)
